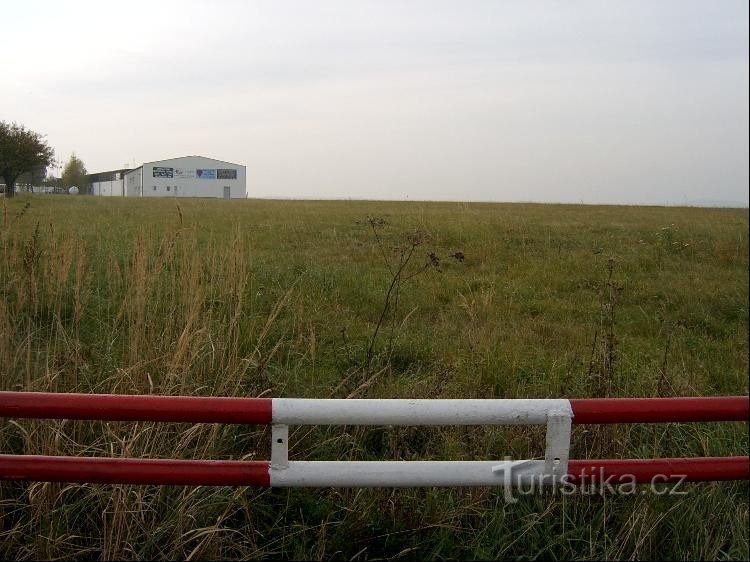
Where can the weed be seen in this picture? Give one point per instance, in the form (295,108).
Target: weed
(249,299)
(400,274)
(604,346)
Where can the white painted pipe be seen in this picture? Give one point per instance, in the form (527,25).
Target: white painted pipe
(302,411)
(404,474)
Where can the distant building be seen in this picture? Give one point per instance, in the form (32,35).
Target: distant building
(107,183)
(187,176)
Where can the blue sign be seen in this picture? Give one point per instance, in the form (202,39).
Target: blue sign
(205,174)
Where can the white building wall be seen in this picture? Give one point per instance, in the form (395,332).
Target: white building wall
(133,183)
(112,188)
(194,176)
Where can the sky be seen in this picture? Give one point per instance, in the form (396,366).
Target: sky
(637,102)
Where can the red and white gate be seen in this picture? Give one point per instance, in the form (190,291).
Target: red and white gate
(557,414)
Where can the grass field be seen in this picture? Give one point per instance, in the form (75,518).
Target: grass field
(282,298)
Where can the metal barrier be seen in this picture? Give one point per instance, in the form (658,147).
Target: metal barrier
(556,467)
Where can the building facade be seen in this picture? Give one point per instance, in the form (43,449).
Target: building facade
(187,176)
(108,184)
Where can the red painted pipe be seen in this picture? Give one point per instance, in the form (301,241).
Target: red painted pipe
(655,410)
(114,407)
(256,473)
(85,470)
(702,469)
(206,409)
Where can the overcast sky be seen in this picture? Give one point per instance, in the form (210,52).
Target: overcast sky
(582,101)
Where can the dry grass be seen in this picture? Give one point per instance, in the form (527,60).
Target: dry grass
(283,298)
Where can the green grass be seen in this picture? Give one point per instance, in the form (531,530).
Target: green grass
(277,298)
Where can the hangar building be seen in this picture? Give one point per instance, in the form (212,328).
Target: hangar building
(187,176)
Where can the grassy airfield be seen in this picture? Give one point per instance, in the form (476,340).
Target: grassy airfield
(378,300)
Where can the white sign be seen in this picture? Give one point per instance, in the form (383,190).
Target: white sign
(184,173)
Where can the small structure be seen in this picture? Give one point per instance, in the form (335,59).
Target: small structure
(108,184)
(187,176)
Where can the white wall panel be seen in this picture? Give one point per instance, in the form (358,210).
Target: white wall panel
(193,176)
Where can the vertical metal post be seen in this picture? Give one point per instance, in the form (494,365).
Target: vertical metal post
(279,446)
(557,449)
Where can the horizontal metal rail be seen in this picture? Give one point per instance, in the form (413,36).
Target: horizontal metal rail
(82,470)
(128,407)
(360,474)
(301,411)
(660,410)
(556,467)
(700,469)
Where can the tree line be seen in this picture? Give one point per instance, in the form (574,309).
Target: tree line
(25,158)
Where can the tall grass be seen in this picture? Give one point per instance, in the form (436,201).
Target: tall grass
(263,298)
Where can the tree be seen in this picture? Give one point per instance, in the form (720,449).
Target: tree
(51,182)
(21,150)
(32,178)
(74,174)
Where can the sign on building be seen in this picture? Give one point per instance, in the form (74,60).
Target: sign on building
(184,173)
(205,174)
(163,172)
(226,174)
